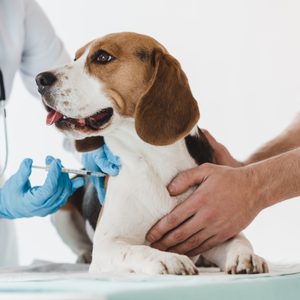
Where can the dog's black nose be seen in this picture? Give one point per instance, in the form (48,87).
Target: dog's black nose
(45,80)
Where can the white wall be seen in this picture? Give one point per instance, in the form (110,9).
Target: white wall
(242,59)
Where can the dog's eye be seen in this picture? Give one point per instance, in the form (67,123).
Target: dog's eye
(102,57)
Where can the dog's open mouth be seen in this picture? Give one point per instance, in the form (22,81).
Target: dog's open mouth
(97,121)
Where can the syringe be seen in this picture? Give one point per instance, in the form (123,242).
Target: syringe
(73,171)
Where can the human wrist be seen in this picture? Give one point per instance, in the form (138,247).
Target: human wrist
(266,187)
(257,194)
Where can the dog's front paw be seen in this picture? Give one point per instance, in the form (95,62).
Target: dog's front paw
(169,263)
(246,264)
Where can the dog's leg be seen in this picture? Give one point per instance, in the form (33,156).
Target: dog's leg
(71,227)
(120,255)
(236,256)
(127,215)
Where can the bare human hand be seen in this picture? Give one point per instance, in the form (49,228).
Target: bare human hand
(223,204)
(221,154)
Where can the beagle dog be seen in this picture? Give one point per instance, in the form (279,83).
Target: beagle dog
(127,88)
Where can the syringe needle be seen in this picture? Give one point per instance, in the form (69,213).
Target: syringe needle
(73,171)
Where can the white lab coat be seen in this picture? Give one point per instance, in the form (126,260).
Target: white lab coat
(27,44)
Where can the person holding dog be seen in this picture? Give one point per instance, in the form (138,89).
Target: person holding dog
(229,195)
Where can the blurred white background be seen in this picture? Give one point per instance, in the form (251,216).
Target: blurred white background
(242,60)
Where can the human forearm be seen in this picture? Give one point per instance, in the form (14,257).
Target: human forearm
(42,49)
(289,139)
(277,178)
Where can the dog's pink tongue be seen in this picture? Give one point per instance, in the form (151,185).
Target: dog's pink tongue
(53,117)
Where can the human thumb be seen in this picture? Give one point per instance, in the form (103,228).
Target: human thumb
(23,173)
(186,179)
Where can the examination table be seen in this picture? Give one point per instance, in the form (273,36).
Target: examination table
(43,280)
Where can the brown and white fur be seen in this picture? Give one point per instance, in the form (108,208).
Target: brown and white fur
(148,117)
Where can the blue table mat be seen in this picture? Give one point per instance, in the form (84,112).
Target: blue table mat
(231,287)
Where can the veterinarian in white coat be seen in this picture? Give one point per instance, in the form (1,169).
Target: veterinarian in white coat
(28,44)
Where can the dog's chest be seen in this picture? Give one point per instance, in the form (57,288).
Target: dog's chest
(138,195)
(145,173)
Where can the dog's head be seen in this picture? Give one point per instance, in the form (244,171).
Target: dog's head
(118,76)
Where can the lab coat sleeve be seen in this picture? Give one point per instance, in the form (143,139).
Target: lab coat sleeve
(42,50)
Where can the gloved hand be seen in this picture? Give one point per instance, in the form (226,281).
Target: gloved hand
(101,160)
(18,199)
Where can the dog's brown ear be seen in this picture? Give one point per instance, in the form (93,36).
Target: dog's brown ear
(168,110)
(89,144)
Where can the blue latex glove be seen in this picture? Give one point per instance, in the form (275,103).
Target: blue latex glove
(101,160)
(18,199)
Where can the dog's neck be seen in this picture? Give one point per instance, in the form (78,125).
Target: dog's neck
(125,138)
(167,161)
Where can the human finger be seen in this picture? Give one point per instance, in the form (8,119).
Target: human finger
(52,184)
(192,242)
(177,216)
(22,175)
(77,183)
(179,235)
(208,244)
(186,179)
